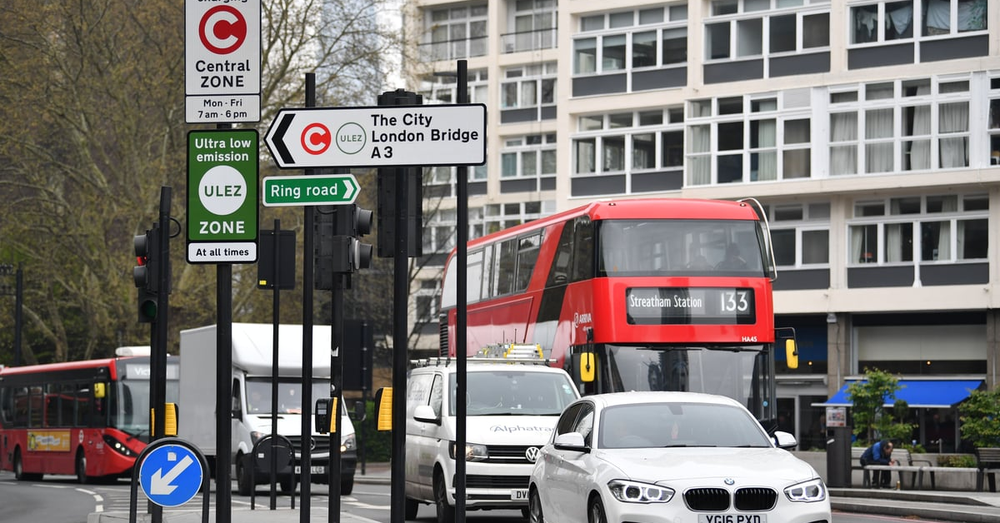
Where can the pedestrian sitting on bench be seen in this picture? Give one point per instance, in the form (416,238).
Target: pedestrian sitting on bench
(879,454)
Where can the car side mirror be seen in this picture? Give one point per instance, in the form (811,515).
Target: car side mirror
(784,440)
(425,414)
(570,441)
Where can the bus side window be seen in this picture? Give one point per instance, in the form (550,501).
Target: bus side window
(83,403)
(563,260)
(583,246)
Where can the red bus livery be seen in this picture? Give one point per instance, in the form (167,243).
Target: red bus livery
(645,294)
(84,418)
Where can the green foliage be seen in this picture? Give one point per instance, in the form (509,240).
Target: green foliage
(872,421)
(377,445)
(980,415)
(957,460)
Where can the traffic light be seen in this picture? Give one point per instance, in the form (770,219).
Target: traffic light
(361,224)
(146,274)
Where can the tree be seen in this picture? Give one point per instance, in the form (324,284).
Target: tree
(92,124)
(980,415)
(872,421)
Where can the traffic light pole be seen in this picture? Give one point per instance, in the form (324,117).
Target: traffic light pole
(158,330)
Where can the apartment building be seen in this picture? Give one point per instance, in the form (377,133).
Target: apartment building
(869,129)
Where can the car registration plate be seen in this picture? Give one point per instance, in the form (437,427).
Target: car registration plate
(320,469)
(732,518)
(520,494)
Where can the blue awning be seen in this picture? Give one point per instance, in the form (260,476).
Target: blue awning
(927,394)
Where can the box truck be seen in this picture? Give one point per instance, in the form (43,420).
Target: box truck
(251,399)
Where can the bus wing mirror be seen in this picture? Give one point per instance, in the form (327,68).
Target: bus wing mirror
(791,354)
(99,391)
(588,367)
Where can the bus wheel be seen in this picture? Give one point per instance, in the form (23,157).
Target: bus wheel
(81,467)
(19,473)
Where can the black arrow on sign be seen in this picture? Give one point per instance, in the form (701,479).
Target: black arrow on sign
(278,139)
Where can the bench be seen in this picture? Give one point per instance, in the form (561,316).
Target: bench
(987,466)
(916,468)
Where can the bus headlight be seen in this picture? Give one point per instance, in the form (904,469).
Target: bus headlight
(118,447)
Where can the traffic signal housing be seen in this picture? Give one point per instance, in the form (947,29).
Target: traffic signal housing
(360,254)
(146,273)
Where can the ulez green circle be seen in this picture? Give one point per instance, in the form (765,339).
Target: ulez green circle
(351,138)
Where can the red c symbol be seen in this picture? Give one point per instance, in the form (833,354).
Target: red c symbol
(222,29)
(316,138)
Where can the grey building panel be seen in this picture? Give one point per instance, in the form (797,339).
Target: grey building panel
(955,274)
(880,56)
(598,185)
(955,48)
(802,279)
(658,181)
(519,115)
(477,188)
(547,184)
(799,64)
(549,112)
(867,277)
(521,185)
(603,84)
(437,191)
(734,71)
(659,79)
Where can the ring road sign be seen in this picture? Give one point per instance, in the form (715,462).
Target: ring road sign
(222,196)
(170,475)
(383,136)
(283,191)
(222,61)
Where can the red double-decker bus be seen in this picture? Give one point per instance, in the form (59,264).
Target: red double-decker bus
(644,294)
(84,418)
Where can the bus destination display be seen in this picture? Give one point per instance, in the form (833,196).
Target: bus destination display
(690,305)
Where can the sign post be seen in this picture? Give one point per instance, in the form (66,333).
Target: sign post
(222,61)
(222,196)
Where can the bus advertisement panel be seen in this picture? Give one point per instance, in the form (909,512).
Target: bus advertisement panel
(90,419)
(644,294)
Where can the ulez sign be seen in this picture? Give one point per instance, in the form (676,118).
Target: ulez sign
(222,196)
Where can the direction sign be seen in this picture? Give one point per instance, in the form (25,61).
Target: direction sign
(222,196)
(384,136)
(170,475)
(283,191)
(222,61)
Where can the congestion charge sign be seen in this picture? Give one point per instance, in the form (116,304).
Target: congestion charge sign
(384,136)
(222,196)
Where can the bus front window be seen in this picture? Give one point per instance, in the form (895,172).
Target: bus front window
(727,372)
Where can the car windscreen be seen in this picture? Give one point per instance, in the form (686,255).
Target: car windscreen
(512,393)
(676,424)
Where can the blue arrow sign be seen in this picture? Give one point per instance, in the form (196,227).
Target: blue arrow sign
(170,475)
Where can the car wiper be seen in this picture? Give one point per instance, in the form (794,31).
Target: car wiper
(686,445)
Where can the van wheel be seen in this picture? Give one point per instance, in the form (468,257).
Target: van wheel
(445,512)
(244,475)
(410,508)
(346,485)
(287,487)
(81,467)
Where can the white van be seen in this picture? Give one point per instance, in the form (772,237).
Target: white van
(511,411)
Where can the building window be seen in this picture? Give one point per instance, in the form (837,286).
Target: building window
(882,22)
(529,86)
(629,142)
(455,33)
(736,30)
(945,228)
(621,41)
(534,23)
(444,89)
(948,17)
(530,156)
(800,234)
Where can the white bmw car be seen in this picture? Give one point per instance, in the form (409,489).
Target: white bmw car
(670,457)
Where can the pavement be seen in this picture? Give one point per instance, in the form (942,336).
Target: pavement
(965,507)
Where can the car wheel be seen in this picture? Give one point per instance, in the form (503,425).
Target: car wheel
(244,475)
(445,512)
(346,485)
(534,510)
(410,508)
(595,514)
(81,467)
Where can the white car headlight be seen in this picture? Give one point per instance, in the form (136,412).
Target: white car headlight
(636,492)
(473,452)
(349,443)
(808,492)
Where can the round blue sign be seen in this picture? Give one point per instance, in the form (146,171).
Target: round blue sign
(170,475)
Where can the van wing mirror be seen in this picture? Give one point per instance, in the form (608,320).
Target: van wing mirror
(425,414)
